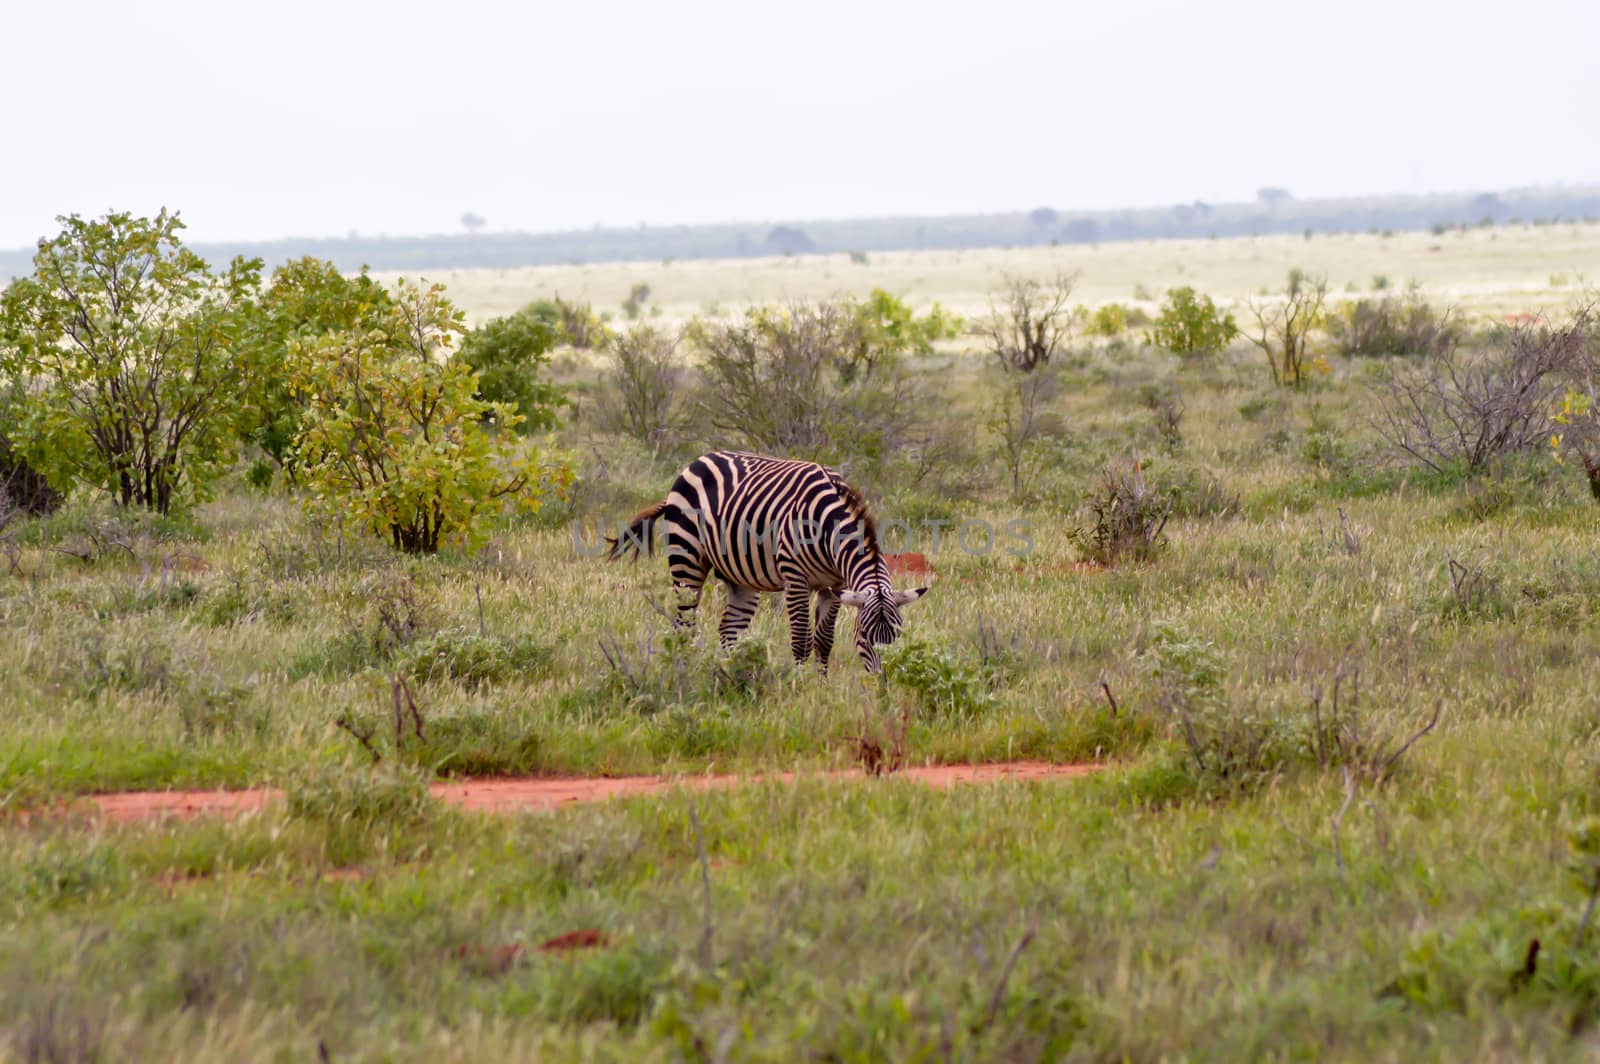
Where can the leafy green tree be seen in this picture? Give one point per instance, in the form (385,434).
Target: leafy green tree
(307,298)
(131,349)
(509,355)
(1109,320)
(1190,324)
(394,438)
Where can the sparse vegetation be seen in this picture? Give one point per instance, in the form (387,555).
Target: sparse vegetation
(1347,775)
(1467,410)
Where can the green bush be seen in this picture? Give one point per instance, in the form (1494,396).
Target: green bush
(1113,319)
(307,298)
(510,355)
(473,659)
(1191,325)
(395,440)
(135,351)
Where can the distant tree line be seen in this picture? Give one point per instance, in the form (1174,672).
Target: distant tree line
(1273,211)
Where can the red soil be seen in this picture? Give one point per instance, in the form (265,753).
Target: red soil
(910,564)
(504,795)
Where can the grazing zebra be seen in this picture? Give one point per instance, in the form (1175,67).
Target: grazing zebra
(771,524)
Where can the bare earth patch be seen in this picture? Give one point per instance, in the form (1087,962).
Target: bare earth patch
(509,795)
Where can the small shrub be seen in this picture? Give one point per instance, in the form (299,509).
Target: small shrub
(940,682)
(640,395)
(1108,320)
(1191,325)
(1325,447)
(663,672)
(1127,518)
(1284,327)
(1167,412)
(1391,327)
(638,296)
(472,659)
(1020,421)
(887,329)
(360,809)
(1195,492)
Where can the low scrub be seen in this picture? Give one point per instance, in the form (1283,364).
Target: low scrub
(1127,518)
(661,673)
(1391,326)
(1235,742)
(938,680)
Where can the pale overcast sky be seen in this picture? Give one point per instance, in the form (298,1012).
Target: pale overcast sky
(294,118)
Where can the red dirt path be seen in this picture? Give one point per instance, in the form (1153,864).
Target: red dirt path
(504,795)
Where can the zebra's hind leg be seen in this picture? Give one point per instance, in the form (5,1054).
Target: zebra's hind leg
(827,613)
(742,602)
(797,604)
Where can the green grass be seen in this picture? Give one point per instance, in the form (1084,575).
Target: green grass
(1218,893)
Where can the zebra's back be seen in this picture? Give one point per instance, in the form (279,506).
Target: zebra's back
(736,510)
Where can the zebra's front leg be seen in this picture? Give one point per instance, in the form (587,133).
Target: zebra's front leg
(797,603)
(742,602)
(827,613)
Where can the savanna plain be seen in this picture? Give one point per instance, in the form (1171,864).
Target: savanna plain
(1343,696)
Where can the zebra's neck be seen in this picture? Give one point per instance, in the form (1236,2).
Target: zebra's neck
(862,566)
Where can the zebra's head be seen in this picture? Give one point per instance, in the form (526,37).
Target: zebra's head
(878,620)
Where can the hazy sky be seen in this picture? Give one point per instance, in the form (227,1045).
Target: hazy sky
(292,118)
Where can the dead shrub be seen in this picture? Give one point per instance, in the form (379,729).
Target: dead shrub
(1033,323)
(1453,409)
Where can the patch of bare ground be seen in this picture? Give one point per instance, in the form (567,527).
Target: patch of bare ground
(511,795)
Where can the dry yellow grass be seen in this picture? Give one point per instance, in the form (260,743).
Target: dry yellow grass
(1481,271)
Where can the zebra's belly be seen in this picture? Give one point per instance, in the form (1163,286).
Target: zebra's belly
(759,562)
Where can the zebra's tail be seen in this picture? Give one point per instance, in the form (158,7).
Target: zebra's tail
(638,537)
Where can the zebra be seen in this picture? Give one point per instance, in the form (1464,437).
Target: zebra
(776,525)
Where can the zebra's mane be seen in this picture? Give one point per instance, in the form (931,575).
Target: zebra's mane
(863,514)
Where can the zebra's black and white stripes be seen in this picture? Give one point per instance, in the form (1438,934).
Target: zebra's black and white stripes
(763,524)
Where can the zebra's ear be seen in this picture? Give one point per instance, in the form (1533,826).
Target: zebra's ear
(903,597)
(853,598)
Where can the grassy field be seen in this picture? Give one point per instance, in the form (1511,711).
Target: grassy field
(1491,271)
(1281,860)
